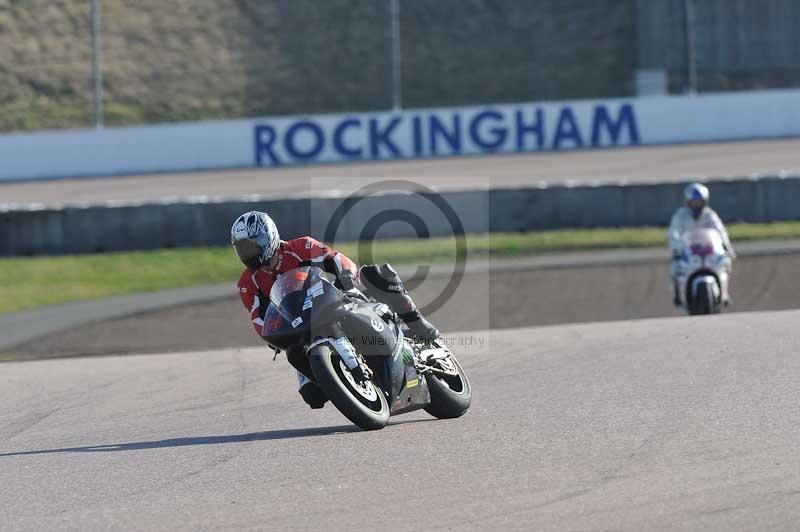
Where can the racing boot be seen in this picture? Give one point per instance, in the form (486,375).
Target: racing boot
(385,285)
(419,327)
(726,297)
(310,392)
(676,298)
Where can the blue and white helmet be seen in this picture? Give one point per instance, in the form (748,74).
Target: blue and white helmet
(695,191)
(254,238)
(696,197)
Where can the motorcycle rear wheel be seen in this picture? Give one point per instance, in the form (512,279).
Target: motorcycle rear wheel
(451,395)
(366,405)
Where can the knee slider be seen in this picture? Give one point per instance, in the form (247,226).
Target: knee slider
(385,285)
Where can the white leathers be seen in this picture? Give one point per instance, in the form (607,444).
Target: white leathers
(683,221)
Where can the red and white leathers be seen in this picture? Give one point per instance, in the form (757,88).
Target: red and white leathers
(682,221)
(254,285)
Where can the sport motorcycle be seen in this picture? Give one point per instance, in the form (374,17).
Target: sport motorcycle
(703,272)
(358,353)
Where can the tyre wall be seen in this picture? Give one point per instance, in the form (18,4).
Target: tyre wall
(103,228)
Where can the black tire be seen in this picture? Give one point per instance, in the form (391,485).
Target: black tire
(450,395)
(704,304)
(329,371)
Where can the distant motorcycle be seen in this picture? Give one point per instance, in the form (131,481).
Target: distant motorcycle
(703,272)
(358,354)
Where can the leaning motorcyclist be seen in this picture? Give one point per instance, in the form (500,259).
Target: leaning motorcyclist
(694,214)
(257,243)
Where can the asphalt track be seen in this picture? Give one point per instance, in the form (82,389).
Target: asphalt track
(639,165)
(669,424)
(648,424)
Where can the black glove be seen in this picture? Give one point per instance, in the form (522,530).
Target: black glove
(346,281)
(331,266)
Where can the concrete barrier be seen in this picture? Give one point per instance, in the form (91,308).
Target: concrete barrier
(103,228)
(401,135)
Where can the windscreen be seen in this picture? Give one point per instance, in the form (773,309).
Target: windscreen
(286,284)
(704,242)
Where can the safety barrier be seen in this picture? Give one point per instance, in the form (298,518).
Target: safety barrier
(102,228)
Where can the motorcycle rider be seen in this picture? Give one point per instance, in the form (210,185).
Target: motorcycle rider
(694,214)
(256,241)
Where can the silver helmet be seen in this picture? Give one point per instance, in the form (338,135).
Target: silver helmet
(255,238)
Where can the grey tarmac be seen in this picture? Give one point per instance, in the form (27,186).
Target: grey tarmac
(650,164)
(666,424)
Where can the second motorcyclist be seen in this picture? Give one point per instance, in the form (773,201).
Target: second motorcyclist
(694,214)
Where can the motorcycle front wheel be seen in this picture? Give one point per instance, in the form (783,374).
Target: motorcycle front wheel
(704,302)
(364,404)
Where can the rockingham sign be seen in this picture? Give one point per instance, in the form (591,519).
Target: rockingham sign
(406,134)
(445,132)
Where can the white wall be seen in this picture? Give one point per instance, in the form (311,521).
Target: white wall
(406,134)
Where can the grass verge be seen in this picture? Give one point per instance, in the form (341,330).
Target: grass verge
(27,283)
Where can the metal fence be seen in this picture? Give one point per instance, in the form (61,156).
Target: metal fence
(84,63)
(721,45)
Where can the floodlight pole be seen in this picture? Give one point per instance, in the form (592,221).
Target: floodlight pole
(395,55)
(97,74)
(691,57)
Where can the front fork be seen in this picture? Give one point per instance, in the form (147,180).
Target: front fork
(354,361)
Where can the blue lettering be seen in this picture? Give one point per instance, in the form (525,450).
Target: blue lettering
(452,137)
(498,133)
(316,146)
(567,129)
(602,120)
(536,128)
(265,138)
(338,139)
(378,137)
(416,123)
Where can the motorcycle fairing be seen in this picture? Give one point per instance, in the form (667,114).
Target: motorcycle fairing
(301,306)
(305,308)
(369,332)
(408,390)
